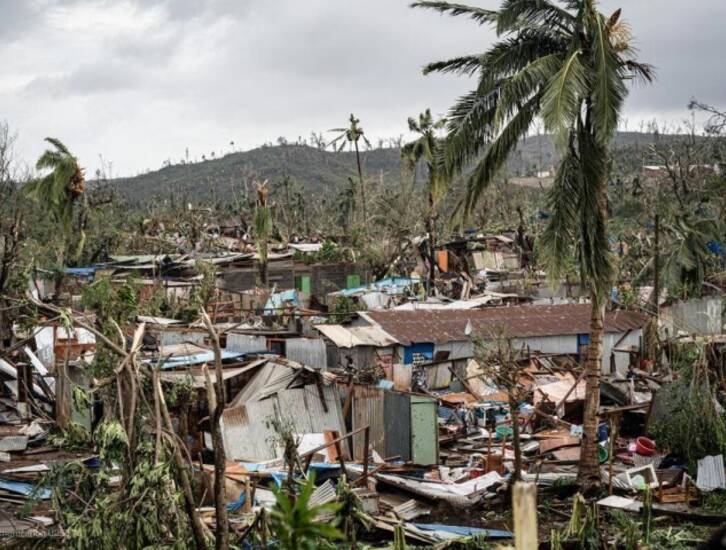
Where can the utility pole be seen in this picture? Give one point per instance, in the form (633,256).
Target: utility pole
(656,283)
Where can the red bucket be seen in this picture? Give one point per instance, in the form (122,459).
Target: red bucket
(645,446)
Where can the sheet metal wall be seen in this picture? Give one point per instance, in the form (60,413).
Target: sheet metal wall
(246,342)
(397,425)
(307,351)
(367,409)
(621,359)
(173,337)
(424,430)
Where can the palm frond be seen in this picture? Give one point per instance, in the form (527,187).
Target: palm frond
(58,144)
(563,96)
(643,73)
(563,199)
(464,65)
(49,160)
(524,84)
(608,87)
(510,55)
(516,14)
(498,152)
(469,130)
(480,15)
(593,249)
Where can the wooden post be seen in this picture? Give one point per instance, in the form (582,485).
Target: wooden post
(524,496)
(610,455)
(247,506)
(366,452)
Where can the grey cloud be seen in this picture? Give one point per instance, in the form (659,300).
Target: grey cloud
(97,78)
(214,70)
(18,17)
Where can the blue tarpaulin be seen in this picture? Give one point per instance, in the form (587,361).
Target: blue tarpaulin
(237,504)
(87,272)
(279,299)
(466,531)
(717,248)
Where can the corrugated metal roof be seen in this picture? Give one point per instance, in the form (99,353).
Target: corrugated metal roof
(248,434)
(197,376)
(349,337)
(440,326)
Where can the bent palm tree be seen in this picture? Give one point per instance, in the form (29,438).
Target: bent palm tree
(567,63)
(428,147)
(61,189)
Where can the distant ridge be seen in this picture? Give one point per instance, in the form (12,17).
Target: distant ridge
(323,173)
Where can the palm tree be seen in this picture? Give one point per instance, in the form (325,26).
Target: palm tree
(352,135)
(61,189)
(566,62)
(428,147)
(262,228)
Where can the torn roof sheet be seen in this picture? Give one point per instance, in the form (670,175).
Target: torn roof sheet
(517,321)
(197,376)
(194,359)
(349,337)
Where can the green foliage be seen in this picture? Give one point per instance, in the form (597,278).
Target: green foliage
(203,294)
(329,252)
(627,532)
(59,190)
(111,301)
(399,538)
(73,437)
(179,392)
(97,514)
(298,526)
(715,501)
(691,425)
(582,530)
(112,442)
(342,307)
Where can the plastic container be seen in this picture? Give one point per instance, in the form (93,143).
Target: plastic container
(504,431)
(602,453)
(645,446)
(602,432)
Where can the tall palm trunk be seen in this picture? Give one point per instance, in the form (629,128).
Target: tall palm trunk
(432,246)
(362,185)
(589,472)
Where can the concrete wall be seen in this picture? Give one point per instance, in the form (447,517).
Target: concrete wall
(700,316)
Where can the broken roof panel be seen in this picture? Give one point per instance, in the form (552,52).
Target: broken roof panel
(349,337)
(450,325)
(197,376)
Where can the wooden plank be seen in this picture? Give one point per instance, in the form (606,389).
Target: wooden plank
(524,499)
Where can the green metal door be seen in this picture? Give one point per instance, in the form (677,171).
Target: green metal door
(424,431)
(302,283)
(352,281)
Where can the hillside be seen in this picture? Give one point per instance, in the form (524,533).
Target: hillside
(323,172)
(319,171)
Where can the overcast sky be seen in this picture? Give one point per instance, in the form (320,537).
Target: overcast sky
(138,81)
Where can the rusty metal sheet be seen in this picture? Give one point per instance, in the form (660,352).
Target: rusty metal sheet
(446,325)
(367,409)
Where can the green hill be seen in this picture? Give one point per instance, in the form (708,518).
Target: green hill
(318,171)
(323,172)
